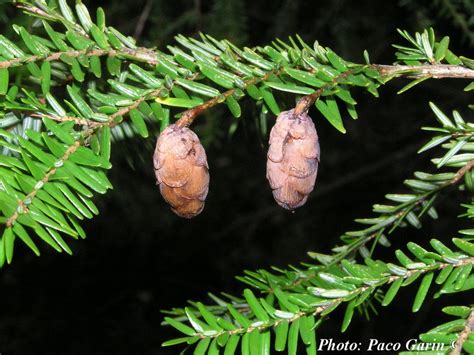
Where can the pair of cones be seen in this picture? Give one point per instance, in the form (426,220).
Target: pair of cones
(182,171)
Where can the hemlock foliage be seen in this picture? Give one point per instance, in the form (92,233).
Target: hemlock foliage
(73,85)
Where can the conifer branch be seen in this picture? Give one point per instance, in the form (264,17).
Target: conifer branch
(49,14)
(117,87)
(439,71)
(22,204)
(409,206)
(140,54)
(92,129)
(463,336)
(77,120)
(190,115)
(349,295)
(305,102)
(336,258)
(435,71)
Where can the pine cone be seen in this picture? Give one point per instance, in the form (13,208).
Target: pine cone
(181,170)
(293,158)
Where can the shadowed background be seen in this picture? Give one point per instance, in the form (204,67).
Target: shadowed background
(139,258)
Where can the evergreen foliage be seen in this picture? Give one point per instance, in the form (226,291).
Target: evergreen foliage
(73,85)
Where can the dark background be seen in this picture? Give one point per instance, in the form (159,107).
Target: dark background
(139,258)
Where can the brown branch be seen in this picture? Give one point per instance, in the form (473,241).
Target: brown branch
(125,110)
(140,54)
(461,172)
(388,71)
(305,102)
(36,11)
(21,203)
(53,57)
(190,115)
(303,105)
(111,118)
(95,124)
(468,329)
(437,71)
(76,120)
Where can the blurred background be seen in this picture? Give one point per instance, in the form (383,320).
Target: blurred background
(139,258)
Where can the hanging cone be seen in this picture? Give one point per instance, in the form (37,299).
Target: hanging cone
(181,170)
(292,159)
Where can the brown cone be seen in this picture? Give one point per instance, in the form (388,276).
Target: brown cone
(181,170)
(293,158)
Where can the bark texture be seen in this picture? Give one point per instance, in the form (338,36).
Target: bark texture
(181,170)
(293,158)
